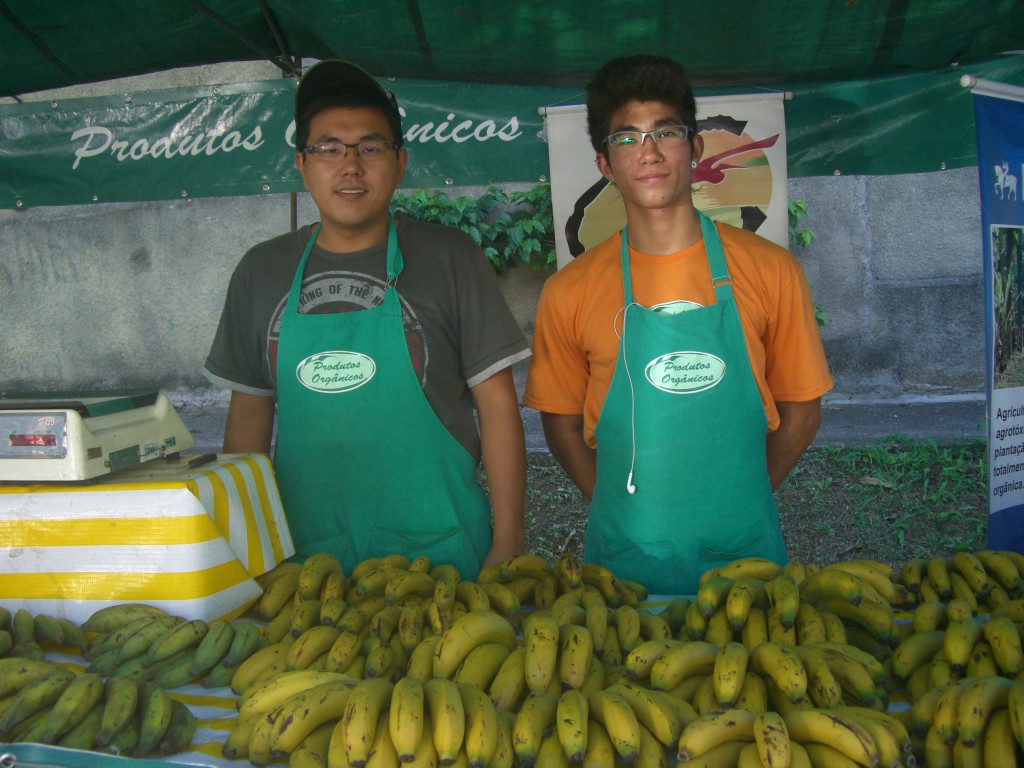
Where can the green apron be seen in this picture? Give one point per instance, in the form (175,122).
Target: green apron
(682,479)
(364,466)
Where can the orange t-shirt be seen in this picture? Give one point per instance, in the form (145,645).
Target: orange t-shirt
(576,341)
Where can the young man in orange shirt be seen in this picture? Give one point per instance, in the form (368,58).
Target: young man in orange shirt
(677,366)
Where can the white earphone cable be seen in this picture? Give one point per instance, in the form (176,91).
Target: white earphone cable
(630,485)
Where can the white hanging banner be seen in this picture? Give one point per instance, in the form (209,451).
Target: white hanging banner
(999,123)
(741,179)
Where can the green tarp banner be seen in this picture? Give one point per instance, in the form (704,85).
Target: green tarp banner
(909,124)
(237,139)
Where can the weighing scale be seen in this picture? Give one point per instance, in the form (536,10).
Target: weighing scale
(79,436)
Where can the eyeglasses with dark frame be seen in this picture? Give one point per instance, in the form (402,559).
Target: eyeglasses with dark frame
(666,136)
(338,150)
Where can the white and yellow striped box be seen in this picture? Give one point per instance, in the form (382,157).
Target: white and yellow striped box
(189,540)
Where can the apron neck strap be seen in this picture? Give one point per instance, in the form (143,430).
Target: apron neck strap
(395,263)
(720,278)
(627,284)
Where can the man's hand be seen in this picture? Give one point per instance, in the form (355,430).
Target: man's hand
(250,424)
(564,434)
(798,424)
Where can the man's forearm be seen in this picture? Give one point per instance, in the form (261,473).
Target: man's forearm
(503,453)
(250,424)
(798,424)
(564,435)
(505,468)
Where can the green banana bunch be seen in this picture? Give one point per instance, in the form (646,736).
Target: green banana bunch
(76,702)
(24,626)
(113,616)
(146,633)
(29,649)
(16,672)
(176,639)
(180,730)
(125,740)
(245,642)
(45,629)
(83,735)
(120,703)
(102,643)
(155,710)
(213,647)
(176,671)
(36,695)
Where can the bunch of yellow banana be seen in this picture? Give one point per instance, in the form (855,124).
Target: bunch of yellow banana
(946,643)
(370,722)
(752,600)
(423,665)
(537,583)
(974,721)
(985,579)
(281,714)
(409,594)
(467,633)
(768,675)
(847,736)
(418,601)
(745,567)
(863,595)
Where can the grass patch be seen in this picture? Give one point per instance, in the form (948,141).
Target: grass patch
(890,501)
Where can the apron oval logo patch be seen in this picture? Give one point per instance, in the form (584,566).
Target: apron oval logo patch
(334,372)
(684,373)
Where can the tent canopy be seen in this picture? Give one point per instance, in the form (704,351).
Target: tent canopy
(53,43)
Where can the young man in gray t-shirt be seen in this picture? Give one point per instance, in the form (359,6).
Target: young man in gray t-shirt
(371,343)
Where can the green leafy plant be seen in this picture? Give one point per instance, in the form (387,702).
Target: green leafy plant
(803,237)
(511,229)
(800,236)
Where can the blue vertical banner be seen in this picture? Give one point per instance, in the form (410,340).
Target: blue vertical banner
(999,121)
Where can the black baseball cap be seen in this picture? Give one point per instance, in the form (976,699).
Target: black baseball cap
(335,77)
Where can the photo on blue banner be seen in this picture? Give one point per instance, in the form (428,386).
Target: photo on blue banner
(1008,303)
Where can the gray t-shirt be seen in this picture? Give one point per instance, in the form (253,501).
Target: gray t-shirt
(458,327)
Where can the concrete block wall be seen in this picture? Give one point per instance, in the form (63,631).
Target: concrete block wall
(898,267)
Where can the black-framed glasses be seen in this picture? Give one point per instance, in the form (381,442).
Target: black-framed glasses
(337,150)
(666,136)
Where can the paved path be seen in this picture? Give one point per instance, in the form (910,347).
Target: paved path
(857,423)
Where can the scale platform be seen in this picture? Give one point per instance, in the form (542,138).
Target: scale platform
(61,436)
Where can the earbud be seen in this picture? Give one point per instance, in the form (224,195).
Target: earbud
(629,484)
